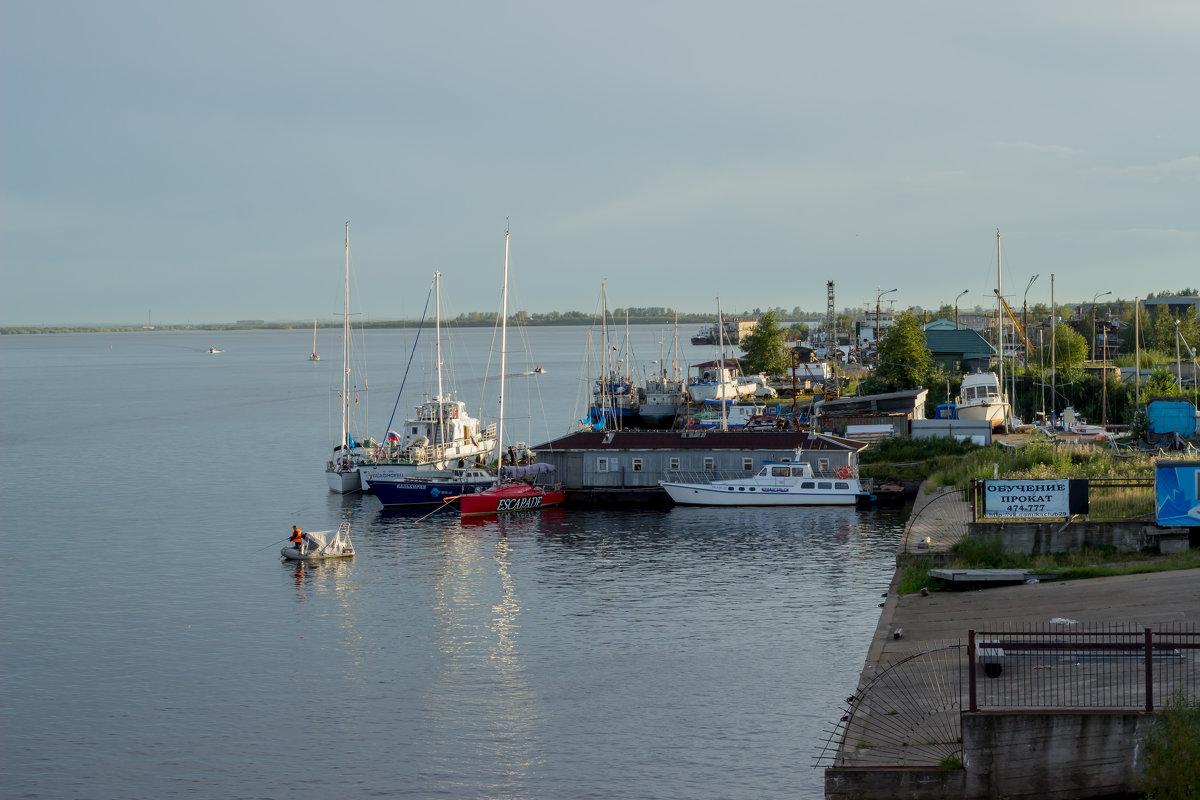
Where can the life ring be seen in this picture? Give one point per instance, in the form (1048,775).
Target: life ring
(844,472)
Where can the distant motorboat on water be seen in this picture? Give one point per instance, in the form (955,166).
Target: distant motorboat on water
(215,350)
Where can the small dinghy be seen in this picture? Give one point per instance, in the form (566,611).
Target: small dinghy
(317,545)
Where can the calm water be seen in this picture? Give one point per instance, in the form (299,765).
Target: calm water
(154,645)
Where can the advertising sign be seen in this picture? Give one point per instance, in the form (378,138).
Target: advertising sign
(1027,498)
(1177,493)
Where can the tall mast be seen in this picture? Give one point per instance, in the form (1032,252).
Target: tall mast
(1137,355)
(604,369)
(437,315)
(1053,342)
(346,350)
(1000,321)
(721,385)
(503,354)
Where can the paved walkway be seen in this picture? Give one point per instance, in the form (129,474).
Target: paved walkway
(905,709)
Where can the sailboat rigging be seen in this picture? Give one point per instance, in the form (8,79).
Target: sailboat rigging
(512,494)
(341,471)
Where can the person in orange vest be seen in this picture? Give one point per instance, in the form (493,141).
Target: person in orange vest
(297,537)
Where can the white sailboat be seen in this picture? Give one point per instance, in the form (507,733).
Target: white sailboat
(341,471)
(314,356)
(440,437)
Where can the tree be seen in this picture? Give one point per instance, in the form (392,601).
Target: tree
(904,360)
(765,348)
(1070,351)
(797,332)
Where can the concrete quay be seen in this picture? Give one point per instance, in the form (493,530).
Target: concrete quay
(905,727)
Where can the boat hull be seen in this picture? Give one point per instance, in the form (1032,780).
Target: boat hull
(343,481)
(292,554)
(510,497)
(994,413)
(735,494)
(423,491)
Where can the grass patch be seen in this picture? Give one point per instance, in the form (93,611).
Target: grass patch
(950,762)
(1091,562)
(1171,751)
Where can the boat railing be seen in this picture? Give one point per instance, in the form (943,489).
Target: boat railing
(705,476)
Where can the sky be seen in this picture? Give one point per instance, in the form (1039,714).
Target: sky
(190,163)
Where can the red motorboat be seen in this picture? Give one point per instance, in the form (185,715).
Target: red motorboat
(510,496)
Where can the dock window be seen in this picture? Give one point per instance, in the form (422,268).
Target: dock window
(748,464)
(708,463)
(637,465)
(602,464)
(674,463)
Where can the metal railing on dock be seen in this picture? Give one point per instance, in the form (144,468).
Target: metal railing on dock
(1093,667)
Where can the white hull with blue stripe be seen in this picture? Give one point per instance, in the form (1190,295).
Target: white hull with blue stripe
(778,483)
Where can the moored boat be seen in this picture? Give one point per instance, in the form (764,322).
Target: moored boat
(341,471)
(430,488)
(441,434)
(778,483)
(511,496)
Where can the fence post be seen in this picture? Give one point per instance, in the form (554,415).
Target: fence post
(971,703)
(1149,645)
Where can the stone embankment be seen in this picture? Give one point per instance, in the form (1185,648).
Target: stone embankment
(905,734)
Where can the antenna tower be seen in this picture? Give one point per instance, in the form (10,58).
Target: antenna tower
(830,322)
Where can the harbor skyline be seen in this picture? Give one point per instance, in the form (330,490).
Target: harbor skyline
(197,163)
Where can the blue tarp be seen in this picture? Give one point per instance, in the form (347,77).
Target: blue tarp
(1172,416)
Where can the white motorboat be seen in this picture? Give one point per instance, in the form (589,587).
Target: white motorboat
(318,545)
(982,399)
(778,483)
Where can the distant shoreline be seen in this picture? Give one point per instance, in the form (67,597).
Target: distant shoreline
(475,320)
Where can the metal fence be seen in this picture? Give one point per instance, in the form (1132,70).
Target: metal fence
(1108,499)
(1100,667)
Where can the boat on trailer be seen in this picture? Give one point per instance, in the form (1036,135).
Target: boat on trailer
(778,483)
(319,545)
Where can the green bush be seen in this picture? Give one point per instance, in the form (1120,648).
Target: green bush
(1171,751)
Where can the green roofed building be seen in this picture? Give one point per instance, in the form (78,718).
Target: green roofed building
(957,351)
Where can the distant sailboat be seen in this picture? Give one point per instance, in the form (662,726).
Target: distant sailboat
(314,356)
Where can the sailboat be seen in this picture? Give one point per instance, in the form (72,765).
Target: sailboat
(666,393)
(615,399)
(314,356)
(438,442)
(509,495)
(341,471)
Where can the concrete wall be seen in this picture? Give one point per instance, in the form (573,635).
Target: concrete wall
(1051,754)
(979,431)
(1041,538)
(1054,755)
(894,783)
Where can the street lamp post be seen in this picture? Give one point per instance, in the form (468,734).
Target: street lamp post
(1098,295)
(1025,315)
(879,293)
(960,294)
